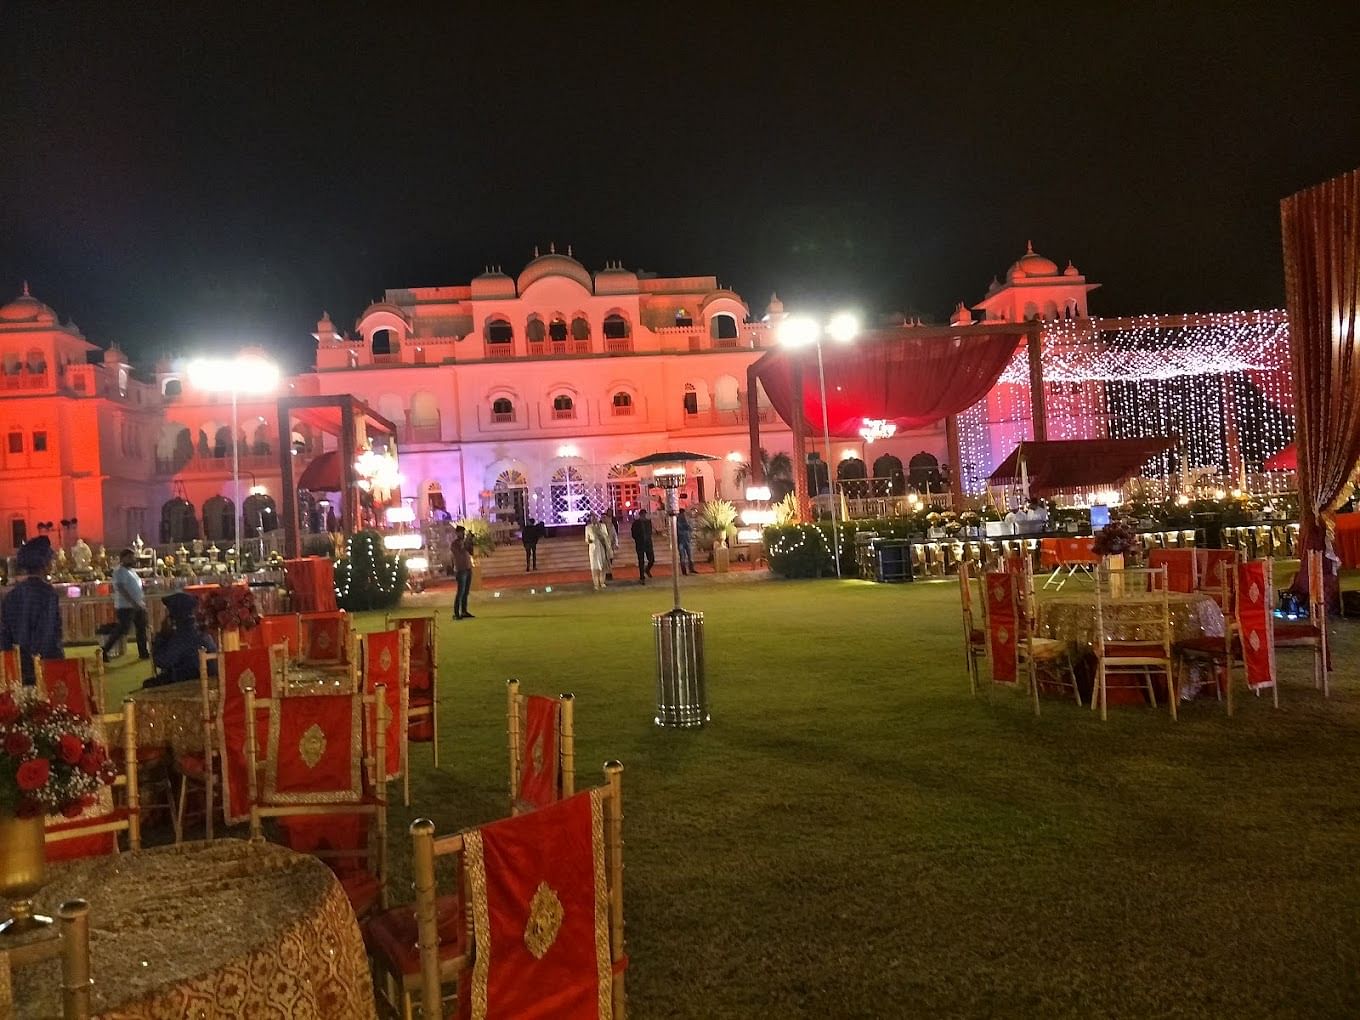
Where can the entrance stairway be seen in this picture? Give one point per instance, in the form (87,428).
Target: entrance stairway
(566,553)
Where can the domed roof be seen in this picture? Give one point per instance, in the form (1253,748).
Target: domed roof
(553,264)
(1036,265)
(27,308)
(1071,270)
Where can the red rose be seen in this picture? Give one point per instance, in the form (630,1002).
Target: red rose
(41,711)
(9,709)
(88,801)
(70,747)
(18,743)
(73,809)
(224,618)
(27,808)
(32,774)
(89,763)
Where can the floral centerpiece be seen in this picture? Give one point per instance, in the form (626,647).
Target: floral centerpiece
(1115,539)
(50,761)
(230,607)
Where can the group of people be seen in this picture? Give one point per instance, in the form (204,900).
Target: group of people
(30,619)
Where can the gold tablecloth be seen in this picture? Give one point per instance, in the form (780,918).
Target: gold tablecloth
(172,715)
(209,930)
(1072,617)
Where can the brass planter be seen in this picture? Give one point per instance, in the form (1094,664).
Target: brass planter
(23,871)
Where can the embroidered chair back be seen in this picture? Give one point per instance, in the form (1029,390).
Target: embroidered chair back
(1255,621)
(386,655)
(1004,624)
(250,669)
(1146,622)
(325,636)
(316,752)
(1182,568)
(276,629)
(94,833)
(561,867)
(542,738)
(422,709)
(71,683)
(1212,567)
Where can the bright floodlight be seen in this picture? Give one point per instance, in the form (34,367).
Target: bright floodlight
(245,373)
(798,331)
(843,327)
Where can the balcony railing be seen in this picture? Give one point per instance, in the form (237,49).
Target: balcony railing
(710,416)
(502,417)
(618,345)
(621,410)
(563,413)
(558,348)
(423,432)
(212,464)
(27,379)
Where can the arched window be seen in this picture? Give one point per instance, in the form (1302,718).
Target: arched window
(173,388)
(615,327)
(178,521)
(424,409)
(691,399)
(37,362)
(499,331)
(723,327)
(557,330)
(222,442)
(726,393)
(924,471)
(385,343)
(563,407)
(259,446)
(258,514)
(510,494)
(13,363)
(534,331)
(623,404)
(502,410)
(888,471)
(580,328)
(219,519)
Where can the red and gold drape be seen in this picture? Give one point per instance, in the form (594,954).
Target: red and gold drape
(540,770)
(1321,230)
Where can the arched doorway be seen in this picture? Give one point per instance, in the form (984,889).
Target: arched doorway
(924,472)
(625,491)
(435,507)
(179,523)
(259,515)
(510,496)
(219,522)
(852,478)
(568,500)
(889,475)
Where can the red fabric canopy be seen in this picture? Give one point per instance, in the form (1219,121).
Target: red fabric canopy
(322,474)
(911,377)
(1079,463)
(1286,460)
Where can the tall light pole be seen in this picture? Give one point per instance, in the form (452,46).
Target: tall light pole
(800,331)
(247,373)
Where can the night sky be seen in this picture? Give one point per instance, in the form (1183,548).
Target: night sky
(183,177)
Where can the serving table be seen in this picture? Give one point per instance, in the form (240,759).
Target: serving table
(208,931)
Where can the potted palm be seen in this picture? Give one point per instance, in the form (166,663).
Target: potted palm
(717,526)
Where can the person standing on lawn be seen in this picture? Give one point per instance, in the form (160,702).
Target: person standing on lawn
(129,605)
(30,618)
(683,533)
(642,542)
(460,562)
(600,545)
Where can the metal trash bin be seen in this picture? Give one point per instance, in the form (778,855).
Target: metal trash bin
(681,691)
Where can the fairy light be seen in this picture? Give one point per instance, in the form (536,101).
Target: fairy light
(1218,381)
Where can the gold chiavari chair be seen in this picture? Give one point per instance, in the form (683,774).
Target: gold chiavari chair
(1311,633)
(98,833)
(541,732)
(1150,650)
(73,948)
(422,709)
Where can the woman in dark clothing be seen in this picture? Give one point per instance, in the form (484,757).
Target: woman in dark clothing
(175,648)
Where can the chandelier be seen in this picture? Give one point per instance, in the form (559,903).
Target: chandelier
(877,428)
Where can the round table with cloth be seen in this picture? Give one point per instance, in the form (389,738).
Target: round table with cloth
(172,715)
(1072,618)
(209,931)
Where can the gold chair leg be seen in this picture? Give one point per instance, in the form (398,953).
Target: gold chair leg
(1171,698)
(179,810)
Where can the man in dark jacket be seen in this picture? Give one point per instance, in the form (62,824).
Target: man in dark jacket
(642,542)
(529,535)
(30,619)
(174,651)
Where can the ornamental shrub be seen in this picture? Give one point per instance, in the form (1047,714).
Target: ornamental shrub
(804,550)
(369,577)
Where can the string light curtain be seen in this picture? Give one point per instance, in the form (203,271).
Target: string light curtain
(909,381)
(1321,231)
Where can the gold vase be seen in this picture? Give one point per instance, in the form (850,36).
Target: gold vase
(22,871)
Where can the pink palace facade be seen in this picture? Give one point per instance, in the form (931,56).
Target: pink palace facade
(512,395)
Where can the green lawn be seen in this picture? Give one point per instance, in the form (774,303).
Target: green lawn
(856,836)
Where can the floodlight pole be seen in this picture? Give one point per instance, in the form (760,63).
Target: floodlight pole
(236,476)
(826,436)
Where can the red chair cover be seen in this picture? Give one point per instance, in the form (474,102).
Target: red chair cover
(247,668)
(1254,609)
(382,665)
(345,833)
(324,636)
(1081,550)
(1003,625)
(279,629)
(422,639)
(540,766)
(541,915)
(67,683)
(1180,568)
(315,750)
(312,582)
(1048,553)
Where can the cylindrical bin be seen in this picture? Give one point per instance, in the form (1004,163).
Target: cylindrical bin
(681,693)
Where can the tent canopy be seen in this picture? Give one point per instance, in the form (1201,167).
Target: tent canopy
(911,376)
(1055,465)
(1286,460)
(322,474)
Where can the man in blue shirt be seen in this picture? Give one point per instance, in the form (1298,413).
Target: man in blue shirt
(30,618)
(129,605)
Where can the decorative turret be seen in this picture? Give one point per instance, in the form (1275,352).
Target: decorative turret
(962,316)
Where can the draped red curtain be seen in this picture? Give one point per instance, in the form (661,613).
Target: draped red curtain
(1321,231)
(912,381)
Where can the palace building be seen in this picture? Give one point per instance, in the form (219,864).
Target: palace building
(509,396)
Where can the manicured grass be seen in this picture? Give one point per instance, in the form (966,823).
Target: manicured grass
(856,836)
